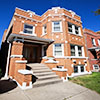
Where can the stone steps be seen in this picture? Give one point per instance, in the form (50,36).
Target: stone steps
(44,75)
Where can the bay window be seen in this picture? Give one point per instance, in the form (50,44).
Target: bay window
(74,29)
(76,50)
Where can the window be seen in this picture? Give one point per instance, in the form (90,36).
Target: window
(75,69)
(95,67)
(70,28)
(93,41)
(44,48)
(76,50)
(56,25)
(99,41)
(79,69)
(58,50)
(76,29)
(82,68)
(72,50)
(79,50)
(44,29)
(28,29)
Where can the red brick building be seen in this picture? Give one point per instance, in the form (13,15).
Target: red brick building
(55,39)
(93,47)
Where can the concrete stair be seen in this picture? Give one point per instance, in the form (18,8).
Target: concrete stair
(43,75)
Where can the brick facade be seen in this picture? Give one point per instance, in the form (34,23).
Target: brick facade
(67,49)
(93,48)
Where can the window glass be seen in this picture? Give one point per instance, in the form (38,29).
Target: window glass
(57,50)
(96,67)
(28,29)
(45,28)
(72,50)
(70,27)
(75,69)
(79,50)
(76,30)
(56,26)
(82,68)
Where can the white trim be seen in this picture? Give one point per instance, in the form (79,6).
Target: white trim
(63,14)
(53,26)
(62,49)
(51,61)
(93,42)
(79,29)
(78,74)
(24,87)
(99,41)
(16,56)
(25,72)
(34,34)
(76,57)
(64,80)
(21,61)
(83,54)
(60,69)
(7,65)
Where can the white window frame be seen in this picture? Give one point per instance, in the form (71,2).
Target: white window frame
(79,69)
(33,31)
(76,51)
(43,33)
(62,49)
(73,29)
(60,26)
(99,41)
(93,41)
(94,67)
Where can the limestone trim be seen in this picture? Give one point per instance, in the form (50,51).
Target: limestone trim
(59,69)
(25,72)
(16,56)
(21,61)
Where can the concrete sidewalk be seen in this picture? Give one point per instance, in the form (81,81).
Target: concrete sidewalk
(59,91)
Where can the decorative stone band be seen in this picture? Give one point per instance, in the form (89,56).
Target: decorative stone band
(16,56)
(24,87)
(58,69)
(25,72)
(78,74)
(67,57)
(51,61)
(21,61)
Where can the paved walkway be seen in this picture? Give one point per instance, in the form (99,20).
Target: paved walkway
(59,91)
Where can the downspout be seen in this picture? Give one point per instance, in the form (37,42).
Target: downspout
(7,65)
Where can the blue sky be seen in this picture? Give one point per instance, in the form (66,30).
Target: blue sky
(83,8)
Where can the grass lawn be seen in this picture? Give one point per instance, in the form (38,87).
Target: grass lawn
(89,81)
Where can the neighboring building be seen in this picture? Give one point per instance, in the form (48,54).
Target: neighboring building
(93,47)
(55,39)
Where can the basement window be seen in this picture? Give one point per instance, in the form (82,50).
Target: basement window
(95,66)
